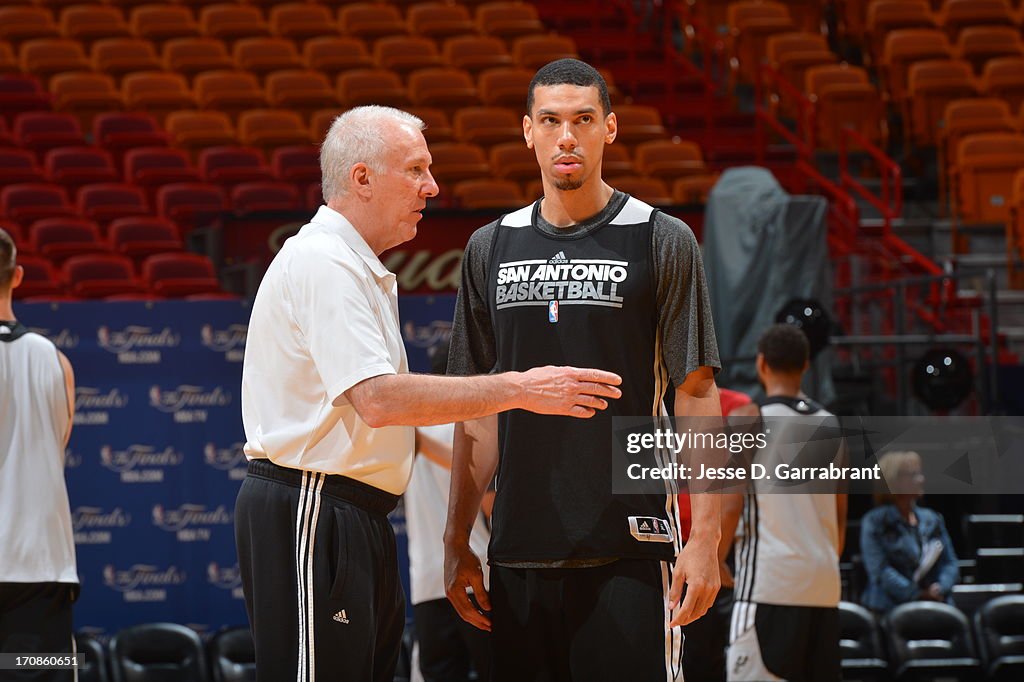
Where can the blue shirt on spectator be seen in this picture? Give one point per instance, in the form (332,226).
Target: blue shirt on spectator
(891,549)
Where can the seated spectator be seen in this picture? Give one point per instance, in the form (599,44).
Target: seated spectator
(907,552)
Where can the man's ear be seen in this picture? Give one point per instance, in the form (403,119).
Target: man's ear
(611,123)
(360,177)
(19,275)
(528,131)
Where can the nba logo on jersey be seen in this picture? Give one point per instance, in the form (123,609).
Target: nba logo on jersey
(552,311)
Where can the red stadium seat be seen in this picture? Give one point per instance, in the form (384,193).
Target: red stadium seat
(229,91)
(118,132)
(180,274)
(252,197)
(371,86)
(42,131)
(106,201)
(476,53)
(505,87)
(229,21)
(229,166)
(140,237)
(299,21)
(668,160)
(370,20)
(332,55)
(508,19)
(649,190)
(18,24)
(160,22)
(297,163)
(447,89)
(403,54)
(18,234)
(269,128)
(488,193)
(60,238)
(85,95)
(639,123)
(189,56)
(118,56)
(198,129)
(533,52)
(514,161)
(152,167)
(439,20)
(21,93)
(488,125)
(25,202)
(157,93)
(263,55)
(44,57)
(93,22)
(300,91)
(8,62)
(77,166)
(438,129)
(19,165)
(99,275)
(455,161)
(41,279)
(191,204)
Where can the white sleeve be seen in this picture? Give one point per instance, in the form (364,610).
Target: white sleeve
(332,301)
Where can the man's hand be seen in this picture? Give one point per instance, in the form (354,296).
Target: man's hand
(697,567)
(568,391)
(462,570)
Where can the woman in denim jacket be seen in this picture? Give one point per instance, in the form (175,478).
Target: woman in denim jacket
(897,534)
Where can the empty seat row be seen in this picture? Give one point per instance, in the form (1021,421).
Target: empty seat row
(295,20)
(60,238)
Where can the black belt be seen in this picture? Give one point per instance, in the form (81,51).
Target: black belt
(360,494)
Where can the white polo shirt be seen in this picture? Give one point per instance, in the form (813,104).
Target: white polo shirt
(325,318)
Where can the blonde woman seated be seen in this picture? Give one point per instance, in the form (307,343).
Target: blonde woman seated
(907,551)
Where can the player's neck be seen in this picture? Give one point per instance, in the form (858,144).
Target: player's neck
(563,208)
(785,387)
(6,310)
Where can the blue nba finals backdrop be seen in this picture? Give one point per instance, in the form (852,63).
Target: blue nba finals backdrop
(155,458)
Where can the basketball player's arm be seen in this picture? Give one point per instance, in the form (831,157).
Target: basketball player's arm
(697,566)
(427,399)
(474,461)
(69,388)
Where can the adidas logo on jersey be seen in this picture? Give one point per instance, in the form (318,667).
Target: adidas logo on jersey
(558,258)
(341,617)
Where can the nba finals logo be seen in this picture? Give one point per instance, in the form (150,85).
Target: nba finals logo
(140,463)
(230,459)
(230,341)
(142,582)
(64,339)
(225,578)
(137,345)
(72,459)
(190,522)
(93,406)
(427,336)
(93,525)
(188,404)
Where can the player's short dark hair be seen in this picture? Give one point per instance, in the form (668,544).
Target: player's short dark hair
(439,358)
(8,259)
(569,72)
(785,348)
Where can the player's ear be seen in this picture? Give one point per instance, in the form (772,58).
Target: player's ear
(611,127)
(528,131)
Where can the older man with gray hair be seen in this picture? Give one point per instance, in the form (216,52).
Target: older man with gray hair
(329,408)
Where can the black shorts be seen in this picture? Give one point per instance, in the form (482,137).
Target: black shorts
(774,642)
(320,574)
(35,618)
(588,624)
